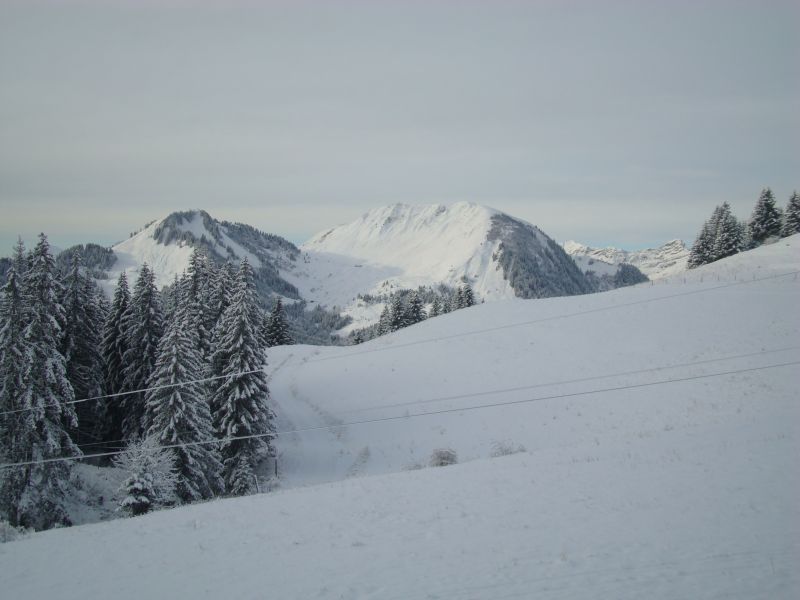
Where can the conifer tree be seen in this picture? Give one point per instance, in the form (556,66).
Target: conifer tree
(35,494)
(766,219)
(277,330)
(706,245)
(115,344)
(13,355)
(415,313)
(177,410)
(143,329)
(791,216)
(468,297)
(198,297)
(436,308)
(241,400)
(458,299)
(384,320)
(397,314)
(80,345)
(447,305)
(727,237)
(20,260)
(221,292)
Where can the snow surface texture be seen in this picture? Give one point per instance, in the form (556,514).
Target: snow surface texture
(680,490)
(664,261)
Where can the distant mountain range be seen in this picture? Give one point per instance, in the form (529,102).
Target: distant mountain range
(346,268)
(656,263)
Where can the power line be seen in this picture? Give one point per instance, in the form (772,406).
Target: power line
(546,319)
(403,417)
(128,393)
(569,381)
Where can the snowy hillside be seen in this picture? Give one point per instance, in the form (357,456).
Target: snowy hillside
(655,431)
(166,245)
(405,246)
(664,261)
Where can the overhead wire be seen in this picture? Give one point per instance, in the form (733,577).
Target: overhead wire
(272,434)
(571,381)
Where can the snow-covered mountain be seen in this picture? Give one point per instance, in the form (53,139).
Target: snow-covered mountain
(664,261)
(655,437)
(405,246)
(166,245)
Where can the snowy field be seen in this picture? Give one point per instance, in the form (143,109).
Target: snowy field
(659,427)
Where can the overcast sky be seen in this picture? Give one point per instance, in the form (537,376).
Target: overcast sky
(607,122)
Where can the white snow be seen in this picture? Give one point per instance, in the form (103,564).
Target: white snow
(664,261)
(648,489)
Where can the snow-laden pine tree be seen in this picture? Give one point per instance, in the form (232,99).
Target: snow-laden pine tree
(436,307)
(276,332)
(384,321)
(177,409)
(458,299)
(143,325)
(221,291)
(115,344)
(728,236)
(397,314)
(80,345)
(20,260)
(198,296)
(37,492)
(415,312)
(13,354)
(468,297)
(702,251)
(152,477)
(766,219)
(791,216)
(241,400)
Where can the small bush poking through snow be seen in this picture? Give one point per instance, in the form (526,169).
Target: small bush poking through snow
(9,533)
(505,447)
(441,457)
(413,466)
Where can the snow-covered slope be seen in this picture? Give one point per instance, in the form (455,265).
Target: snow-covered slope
(660,433)
(405,246)
(664,261)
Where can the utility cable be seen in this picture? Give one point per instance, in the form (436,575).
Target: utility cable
(444,411)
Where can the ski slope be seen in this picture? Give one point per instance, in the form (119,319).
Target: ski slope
(659,426)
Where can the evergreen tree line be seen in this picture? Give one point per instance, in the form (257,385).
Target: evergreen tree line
(61,340)
(724,235)
(407,307)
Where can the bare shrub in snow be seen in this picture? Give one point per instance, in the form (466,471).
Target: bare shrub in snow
(441,457)
(413,466)
(505,447)
(152,477)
